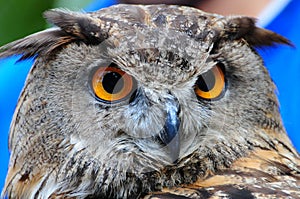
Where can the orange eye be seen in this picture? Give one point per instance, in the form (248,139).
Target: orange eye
(111,84)
(211,84)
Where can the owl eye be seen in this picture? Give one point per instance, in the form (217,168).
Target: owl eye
(111,84)
(211,84)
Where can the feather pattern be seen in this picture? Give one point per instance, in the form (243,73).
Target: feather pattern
(162,139)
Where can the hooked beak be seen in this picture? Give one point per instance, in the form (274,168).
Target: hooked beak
(170,136)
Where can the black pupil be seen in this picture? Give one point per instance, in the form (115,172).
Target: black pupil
(112,82)
(206,81)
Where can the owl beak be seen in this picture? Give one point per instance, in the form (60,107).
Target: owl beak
(170,134)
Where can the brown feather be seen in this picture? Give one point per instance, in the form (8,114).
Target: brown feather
(264,174)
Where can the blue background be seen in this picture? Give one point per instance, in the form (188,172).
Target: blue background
(282,61)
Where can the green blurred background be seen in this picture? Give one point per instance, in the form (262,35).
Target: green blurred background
(19,18)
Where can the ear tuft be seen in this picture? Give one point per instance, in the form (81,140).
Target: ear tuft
(72,27)
(77,24)
(42,44)
(262,37)
(244,27)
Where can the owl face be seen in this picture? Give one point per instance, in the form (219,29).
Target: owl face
(130,91)
(160,95)
(149,94)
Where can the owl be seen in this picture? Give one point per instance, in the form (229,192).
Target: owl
(151,101)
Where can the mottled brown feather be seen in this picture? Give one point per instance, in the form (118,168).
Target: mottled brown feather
(240,148)
(262,174)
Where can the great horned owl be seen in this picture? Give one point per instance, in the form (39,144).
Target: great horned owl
(150,101)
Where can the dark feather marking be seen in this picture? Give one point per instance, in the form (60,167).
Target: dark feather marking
(268,191)
(285,170)
(91,33)
(167,196)
(192,30)
(235,192)
(160,20)
(24,176)
(286,147)
(203,193)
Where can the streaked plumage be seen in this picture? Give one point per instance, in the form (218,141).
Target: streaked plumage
(191,112)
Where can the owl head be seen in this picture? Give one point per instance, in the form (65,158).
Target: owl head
(152,95)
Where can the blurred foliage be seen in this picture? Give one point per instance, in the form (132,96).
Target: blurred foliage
(75,5)
(19,18)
